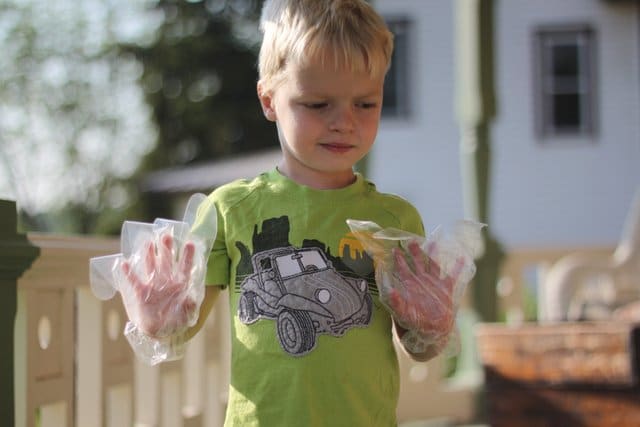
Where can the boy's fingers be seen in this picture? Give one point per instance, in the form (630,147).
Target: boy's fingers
(401,264)
(186,261)
(126,269)
(150,258)
(434,268)
(420,260)
(133,278)
(165,254)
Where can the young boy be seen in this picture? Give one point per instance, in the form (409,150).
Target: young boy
(311,341)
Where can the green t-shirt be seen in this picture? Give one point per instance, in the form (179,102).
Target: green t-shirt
(311,343)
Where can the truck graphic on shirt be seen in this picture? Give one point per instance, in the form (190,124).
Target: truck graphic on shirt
(305,295)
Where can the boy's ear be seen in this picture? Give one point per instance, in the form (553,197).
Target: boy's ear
(266,101)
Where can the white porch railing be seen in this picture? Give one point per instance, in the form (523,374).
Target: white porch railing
(526,270)
(73,366)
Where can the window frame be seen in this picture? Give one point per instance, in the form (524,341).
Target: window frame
(545,38)
(399,74)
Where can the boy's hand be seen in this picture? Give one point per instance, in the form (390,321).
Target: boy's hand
(424,303)
(158,302)
(421,279)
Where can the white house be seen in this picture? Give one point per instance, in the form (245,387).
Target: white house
(565,142)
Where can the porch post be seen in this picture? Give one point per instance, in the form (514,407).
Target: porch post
(16,255)
(476,107)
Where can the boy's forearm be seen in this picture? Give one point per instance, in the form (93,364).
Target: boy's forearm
(210,297)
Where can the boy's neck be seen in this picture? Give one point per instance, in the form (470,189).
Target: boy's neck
(320,180)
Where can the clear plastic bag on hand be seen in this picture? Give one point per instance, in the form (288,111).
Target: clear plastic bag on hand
(422,280)
(160,275)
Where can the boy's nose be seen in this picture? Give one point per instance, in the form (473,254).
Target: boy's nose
(343,119)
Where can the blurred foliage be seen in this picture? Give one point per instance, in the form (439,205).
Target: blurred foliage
(95,94)
(73,121)
(200,79)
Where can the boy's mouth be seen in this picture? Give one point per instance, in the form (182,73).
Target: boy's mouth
(337,148)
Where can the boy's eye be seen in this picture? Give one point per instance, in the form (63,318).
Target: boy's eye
(316,105)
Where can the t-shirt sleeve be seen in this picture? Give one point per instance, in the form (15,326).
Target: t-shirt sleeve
(218,263)
(412,221)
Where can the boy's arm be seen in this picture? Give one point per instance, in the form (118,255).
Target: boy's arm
(210,297)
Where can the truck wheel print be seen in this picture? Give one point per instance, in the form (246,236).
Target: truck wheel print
(295,331)
(247,308)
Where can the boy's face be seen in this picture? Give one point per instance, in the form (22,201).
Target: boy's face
(327,120)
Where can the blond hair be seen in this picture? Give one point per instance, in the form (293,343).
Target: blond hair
(347,33)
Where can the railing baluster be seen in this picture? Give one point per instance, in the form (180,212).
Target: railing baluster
(117,366)
(89,411)
(217,365)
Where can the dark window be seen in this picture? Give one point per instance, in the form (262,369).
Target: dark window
(396,92)
(565,83)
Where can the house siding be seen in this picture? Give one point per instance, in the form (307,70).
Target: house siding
(558,191)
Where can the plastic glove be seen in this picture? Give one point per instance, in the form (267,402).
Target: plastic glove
(425,304)
(421,281)
(158,301)
(160,277)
